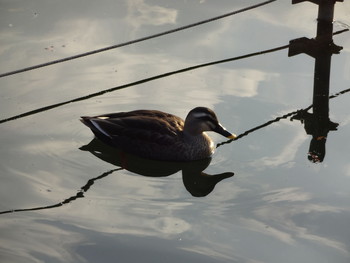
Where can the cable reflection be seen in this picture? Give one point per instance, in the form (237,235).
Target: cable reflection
(79,194)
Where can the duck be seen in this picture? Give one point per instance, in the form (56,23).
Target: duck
(158,135)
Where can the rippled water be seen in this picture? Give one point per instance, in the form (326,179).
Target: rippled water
(65,199)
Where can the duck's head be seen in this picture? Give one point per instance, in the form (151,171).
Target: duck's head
(202,119)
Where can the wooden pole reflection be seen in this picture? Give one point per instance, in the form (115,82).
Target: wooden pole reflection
(321,49)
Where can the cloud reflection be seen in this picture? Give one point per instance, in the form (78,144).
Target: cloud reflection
(287,154)
(258,226)
(141,14)
(291,194)
(283,217)
(38,240)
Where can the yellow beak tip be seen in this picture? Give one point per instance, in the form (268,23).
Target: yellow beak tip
(232,136)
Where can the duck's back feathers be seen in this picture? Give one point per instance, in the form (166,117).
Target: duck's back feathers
(140,125)
(151,134)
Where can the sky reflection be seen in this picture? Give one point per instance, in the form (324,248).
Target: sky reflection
(277,208)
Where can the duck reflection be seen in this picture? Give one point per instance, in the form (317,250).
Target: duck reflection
(196,182)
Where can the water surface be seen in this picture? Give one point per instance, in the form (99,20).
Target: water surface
(69,205)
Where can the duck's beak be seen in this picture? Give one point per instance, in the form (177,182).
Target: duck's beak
(221,130)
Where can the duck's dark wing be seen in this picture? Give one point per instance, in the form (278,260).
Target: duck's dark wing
(142,125)
(139,113)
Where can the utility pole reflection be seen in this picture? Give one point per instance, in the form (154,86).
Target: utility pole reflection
(321,49)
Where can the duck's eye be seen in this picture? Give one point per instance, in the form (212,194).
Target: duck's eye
(207,120)
(210,124)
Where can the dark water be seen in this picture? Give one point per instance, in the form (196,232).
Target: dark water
(73,203)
